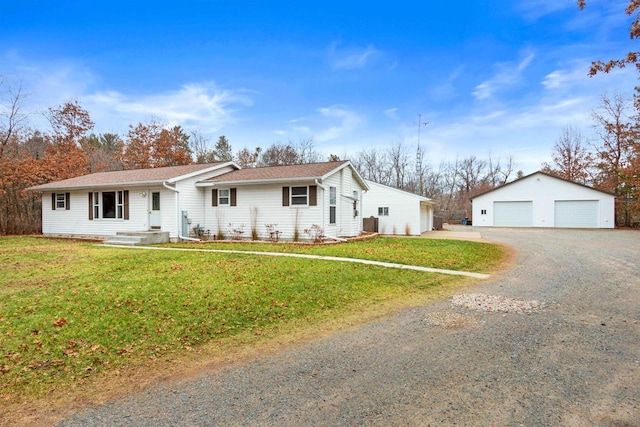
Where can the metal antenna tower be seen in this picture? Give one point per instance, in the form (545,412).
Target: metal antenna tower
(419,152)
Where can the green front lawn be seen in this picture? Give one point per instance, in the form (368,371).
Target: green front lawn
(73,312)
(447,254)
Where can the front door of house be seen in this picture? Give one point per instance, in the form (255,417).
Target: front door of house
(155,214)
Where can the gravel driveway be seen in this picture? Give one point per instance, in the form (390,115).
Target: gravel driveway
(574,360)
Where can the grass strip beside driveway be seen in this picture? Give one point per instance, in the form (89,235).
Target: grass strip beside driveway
(325,258)
(457,255)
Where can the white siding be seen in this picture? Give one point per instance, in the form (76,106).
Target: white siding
(339,228)
(346,208)
(426,218)
(266,202)
(406,216)
(543,191)
(75,221)
(189,198)
(356,217)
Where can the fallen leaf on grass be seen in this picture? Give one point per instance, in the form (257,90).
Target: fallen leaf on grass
(60,322)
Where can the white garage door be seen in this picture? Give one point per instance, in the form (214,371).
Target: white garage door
(512,214)
(576,213)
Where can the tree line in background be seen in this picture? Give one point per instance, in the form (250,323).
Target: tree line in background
(30,157)
(611,162)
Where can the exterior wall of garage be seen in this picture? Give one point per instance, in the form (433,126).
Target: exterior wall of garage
(398,212)
(549,197)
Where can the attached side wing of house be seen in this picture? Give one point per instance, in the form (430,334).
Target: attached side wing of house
(286,199)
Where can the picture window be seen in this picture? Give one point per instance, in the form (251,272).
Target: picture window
(112,205)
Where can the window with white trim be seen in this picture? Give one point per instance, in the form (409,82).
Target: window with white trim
(112,205)
(332,205)
(223,197)
(61,201)
(383,211)
(299,196)
(96,205)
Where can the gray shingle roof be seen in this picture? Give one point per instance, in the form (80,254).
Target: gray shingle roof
(278,173)
(131,177)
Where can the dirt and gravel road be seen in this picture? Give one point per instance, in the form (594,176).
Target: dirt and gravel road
(573,360)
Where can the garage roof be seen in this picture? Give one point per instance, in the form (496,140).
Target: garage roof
(541,173)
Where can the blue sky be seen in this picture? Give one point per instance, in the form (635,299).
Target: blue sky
(491,77)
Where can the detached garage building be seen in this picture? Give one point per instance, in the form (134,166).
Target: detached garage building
(543,200)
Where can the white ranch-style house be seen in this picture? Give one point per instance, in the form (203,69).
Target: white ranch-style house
(211,198)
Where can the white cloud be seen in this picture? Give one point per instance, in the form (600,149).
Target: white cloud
(201,105)
(392,113)
(348,121)
(302,129)
(448,89)
(524,63)
(508,74)
(572,78)
(484,90)
(536,9)
(526,132)
(350,58)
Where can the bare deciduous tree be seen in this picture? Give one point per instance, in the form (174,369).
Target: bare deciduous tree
(279,155)
(616,151)
(571,158)
(201,147)
(307,152)
(399,162)
(11,114)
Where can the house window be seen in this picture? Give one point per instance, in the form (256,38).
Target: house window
(96,205)
(223,197)
(112,204)
(483,212)
(332,205)
(61,201)
(383,211)
(355,203)
(299,196)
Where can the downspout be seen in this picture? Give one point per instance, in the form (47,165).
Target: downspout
(178,214)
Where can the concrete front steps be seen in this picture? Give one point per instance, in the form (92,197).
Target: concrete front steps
(137,238)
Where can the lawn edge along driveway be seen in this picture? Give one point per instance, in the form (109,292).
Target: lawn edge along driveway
(320,257)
